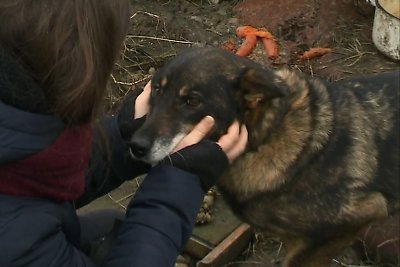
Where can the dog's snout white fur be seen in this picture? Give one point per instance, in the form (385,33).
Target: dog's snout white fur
(161,147)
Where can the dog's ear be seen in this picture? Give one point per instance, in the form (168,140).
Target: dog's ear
(259,84)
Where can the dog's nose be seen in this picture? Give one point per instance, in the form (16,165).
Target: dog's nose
(139,146)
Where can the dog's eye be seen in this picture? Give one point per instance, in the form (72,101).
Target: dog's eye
(192,101)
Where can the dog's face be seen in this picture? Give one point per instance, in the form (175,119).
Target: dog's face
(195,84)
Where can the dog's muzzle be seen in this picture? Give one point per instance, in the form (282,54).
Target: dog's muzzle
(139,147)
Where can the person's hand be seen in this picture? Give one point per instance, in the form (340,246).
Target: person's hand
(133,111)
(233,143)
(205,158)
(142,102)
(197,133)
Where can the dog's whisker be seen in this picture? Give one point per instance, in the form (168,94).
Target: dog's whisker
(170,160)
(183,158)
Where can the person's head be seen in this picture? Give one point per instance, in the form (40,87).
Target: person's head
(69,47)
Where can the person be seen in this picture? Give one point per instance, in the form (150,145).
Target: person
(55,60)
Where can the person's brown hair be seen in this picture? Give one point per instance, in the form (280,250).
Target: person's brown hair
(69,47)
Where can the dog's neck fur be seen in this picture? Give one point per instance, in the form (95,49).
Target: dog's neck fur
(279,151)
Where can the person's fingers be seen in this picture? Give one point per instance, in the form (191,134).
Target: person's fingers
(227,140)
(197,134)
(239,146)
(234,142)
(142,102)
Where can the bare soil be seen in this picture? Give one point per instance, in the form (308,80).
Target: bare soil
(161,29)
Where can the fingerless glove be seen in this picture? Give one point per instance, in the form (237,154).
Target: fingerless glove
(205,159)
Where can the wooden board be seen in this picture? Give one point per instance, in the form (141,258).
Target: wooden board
(221,240)
(229,248)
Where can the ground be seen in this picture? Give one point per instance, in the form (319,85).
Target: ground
(161,29)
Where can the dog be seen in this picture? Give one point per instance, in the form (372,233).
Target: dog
(322,159)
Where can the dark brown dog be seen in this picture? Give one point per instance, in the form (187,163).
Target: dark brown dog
(322,159)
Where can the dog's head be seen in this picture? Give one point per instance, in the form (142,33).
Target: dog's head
(200,82)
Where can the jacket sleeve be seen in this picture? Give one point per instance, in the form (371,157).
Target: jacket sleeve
(159,219)
(31,234)
(110,164)
(158,223)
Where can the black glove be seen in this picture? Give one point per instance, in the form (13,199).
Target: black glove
(126,123)
(205,159)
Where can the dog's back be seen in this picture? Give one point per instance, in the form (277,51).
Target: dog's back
(368,108)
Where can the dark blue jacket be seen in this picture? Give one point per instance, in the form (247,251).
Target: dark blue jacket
(37,232)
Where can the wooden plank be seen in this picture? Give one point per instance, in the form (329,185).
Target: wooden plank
(198,248)
(229,248)
(206,237)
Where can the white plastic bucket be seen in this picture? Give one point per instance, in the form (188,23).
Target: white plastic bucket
(386,28)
